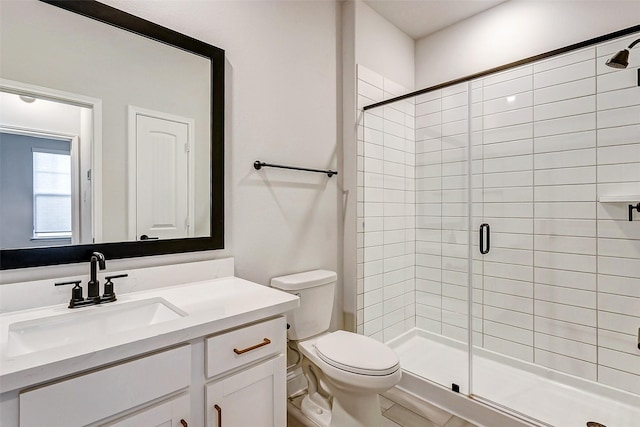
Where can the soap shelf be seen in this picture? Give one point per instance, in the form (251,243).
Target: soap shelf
(631,199)
(623,198)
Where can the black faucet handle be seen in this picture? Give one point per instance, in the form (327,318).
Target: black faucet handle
(76,291)
(70,282)
(117,276)
(109,295)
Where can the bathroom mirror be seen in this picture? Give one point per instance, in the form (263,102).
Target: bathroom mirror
(120,126)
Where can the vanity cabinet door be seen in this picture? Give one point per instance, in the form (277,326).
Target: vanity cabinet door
(172,413)
(253,397)
(105,393)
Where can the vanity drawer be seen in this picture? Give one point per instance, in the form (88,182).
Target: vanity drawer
(231,350)
(92,397)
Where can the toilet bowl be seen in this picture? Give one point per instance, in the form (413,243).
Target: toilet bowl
(355,369)
(345,371)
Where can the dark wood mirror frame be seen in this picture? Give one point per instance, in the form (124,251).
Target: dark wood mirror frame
(37,257)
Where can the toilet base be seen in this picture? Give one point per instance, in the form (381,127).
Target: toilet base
(361,411)
(319,414)
(355,410)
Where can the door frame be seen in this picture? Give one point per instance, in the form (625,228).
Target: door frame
(95,105)
(132,159)
(74,153)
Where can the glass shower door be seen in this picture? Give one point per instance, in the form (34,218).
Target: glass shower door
(442,240)
(502,135)
(556,333)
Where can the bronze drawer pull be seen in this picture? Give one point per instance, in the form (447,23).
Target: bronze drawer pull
(183,423)
(253,347)
(219,409)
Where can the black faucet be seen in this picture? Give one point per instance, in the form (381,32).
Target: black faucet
(93,287)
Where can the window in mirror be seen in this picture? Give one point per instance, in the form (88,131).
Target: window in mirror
(46,149)
(51,194)
(37,191)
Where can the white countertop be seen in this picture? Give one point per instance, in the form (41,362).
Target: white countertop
(209,307)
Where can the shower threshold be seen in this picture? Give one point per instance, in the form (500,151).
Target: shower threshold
(542,396)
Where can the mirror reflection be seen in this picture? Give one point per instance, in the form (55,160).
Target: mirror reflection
(104,137)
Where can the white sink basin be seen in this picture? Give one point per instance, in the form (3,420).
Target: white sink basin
(35,335)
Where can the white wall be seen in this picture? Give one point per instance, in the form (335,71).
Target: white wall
(349,160)
(382,47)
(281,107)
(516,30)
(370,41)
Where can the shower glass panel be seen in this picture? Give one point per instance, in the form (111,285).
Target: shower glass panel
(414,219)
(497,256)
(560,301)
(442,239)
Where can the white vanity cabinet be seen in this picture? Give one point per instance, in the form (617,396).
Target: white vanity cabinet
(242,383)
(253,393)
(226,345)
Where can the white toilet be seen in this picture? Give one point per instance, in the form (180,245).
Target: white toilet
(345,371)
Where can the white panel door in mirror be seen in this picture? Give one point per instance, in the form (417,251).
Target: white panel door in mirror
(161,180)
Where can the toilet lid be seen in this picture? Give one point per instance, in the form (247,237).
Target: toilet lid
(357,354)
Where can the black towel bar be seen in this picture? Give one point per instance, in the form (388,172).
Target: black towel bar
(259,165)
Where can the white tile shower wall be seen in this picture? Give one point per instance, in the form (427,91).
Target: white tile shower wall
(561,285)
(386,211)
(618,242)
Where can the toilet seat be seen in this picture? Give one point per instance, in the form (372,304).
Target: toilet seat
(357,354)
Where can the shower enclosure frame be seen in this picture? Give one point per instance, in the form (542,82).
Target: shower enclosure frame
(587,43)
(468,79)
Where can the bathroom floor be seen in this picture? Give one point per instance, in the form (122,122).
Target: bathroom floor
(399,409)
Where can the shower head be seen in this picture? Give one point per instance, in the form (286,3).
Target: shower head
(621,59)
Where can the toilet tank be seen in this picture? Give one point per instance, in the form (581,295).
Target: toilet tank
(316,290)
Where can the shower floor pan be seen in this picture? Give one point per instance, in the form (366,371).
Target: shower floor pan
(530,392)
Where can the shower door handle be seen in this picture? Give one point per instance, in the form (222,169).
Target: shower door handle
(485,248)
